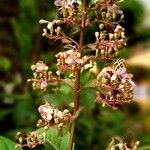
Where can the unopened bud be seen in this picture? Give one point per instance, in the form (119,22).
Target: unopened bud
(108,15)
(44,34)
(60,125)
(49,26)
(110,50)
(66,110)
(103,104)
(97,52)
(121,40)
(45,127)
(115,35)
(103,15)
(58,30)
(58,72)
(114,16)
(102,51)
(42,21)
(20,140)
(58,21)
(131,88)
(111,36)
(103,35)
(120,145)
(119,27)
(137,143)
(104,80)
(122,35)
(121,86)
(44,30)
(17,146)
(29,80)
(122,17)
(97,35)
(101,26)
(32,67)
(35,75)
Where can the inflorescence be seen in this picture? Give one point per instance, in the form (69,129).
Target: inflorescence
(114,85)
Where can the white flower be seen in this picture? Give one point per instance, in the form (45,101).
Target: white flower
(39,67)
(46,111)
(70,61)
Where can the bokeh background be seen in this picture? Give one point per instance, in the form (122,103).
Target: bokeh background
(21,45)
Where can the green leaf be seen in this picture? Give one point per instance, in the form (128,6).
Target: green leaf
(57,139)
(63,144)
(65,89)
(6,144)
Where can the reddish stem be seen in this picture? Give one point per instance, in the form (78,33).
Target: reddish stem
(77,76)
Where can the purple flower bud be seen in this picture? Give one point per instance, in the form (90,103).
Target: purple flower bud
(59,3)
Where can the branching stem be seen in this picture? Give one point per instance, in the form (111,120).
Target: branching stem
(77,76)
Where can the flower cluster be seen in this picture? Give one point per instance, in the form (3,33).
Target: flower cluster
(41,76)
(53,27)
(114,85)
(30,140)
(68,8)
(118,144)
(70,60)
(111,36)
(109,43)
(117,83)
(52,116)
(64,3)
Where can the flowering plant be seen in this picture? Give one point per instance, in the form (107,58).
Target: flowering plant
(113,84)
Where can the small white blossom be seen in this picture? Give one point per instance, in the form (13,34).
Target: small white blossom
(39,67)
(46,111)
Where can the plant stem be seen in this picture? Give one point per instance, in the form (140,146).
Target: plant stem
(76,105)
(83,24)
(77,76)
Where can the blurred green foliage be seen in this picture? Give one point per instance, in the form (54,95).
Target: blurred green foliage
(18,103)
